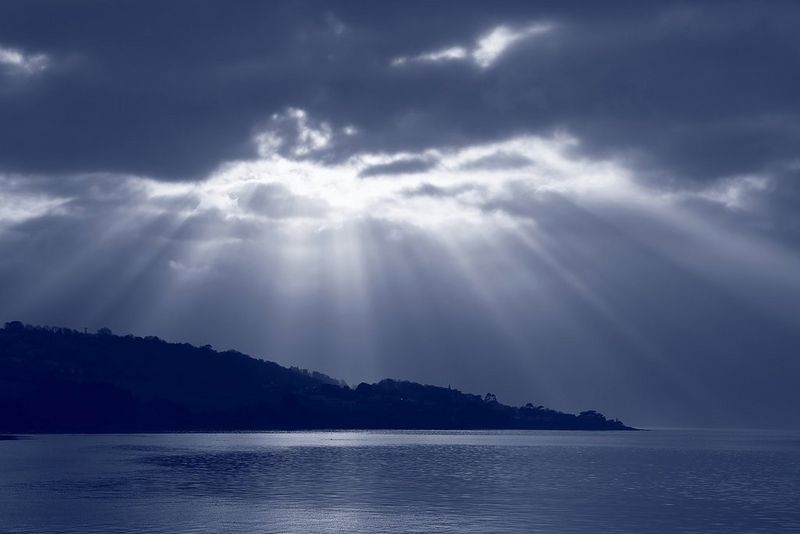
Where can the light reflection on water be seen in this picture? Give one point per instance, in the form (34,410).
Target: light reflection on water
(660,481)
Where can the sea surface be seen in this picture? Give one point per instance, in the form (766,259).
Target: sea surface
(515,481)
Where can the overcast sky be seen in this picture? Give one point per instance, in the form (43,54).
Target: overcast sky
(581,205)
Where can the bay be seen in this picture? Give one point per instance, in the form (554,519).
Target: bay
(664,480)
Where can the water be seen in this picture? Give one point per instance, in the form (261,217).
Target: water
(659,481)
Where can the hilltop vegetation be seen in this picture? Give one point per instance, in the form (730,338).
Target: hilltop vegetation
(62,380)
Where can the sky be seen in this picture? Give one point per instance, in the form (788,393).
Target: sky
(584,205)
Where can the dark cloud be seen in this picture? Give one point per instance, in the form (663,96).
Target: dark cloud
(400,166)
(434,191)
(698,90)
(498,161)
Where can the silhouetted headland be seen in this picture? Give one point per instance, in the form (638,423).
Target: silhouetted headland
(62,380)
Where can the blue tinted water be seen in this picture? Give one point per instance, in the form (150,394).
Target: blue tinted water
(659,481)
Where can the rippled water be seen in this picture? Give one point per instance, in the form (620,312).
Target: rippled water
(658,481)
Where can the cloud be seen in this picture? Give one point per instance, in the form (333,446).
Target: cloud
(447,54)
(277,202)
(426,189)
(487,49)
(498,161)
(15,61)
(292,133)
(736,192)
(197,107)
(17,208)
(491,46)
(286,188)
(412,165)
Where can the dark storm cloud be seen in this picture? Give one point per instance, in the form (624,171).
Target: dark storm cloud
(688,90)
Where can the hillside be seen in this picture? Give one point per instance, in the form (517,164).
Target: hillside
(61,380)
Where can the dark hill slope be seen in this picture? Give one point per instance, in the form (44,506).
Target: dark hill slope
(60,380)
